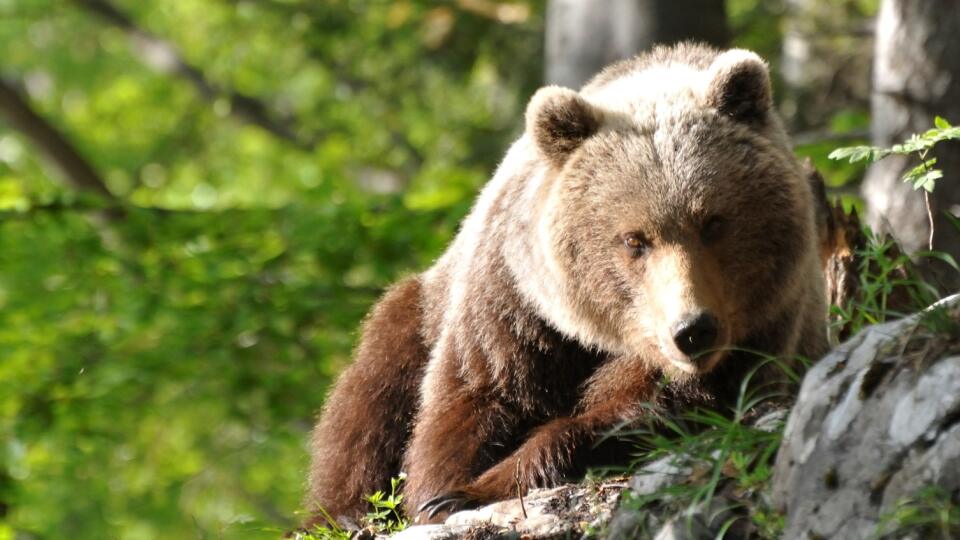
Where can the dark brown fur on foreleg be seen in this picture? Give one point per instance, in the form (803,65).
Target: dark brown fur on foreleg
(459,437)
(359,442)
(560,448)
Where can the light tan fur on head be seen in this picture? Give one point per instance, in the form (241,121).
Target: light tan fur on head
(661,150)
(679,284)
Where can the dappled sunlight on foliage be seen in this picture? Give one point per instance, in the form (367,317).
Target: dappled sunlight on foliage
(273,166)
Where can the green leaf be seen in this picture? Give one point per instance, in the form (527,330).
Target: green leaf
(951,133)
(858,153)
(954,220)
(927,180)
(941,123)
(940,255)
(919,170)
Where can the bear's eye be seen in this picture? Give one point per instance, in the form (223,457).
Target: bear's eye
(636,244)
(712,230)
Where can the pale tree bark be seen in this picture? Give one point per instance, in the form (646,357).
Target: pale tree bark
(583,36)
(916,77)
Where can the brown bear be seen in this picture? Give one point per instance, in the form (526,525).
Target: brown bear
(637,240)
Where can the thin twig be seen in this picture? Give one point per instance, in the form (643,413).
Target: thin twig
(516,478)
(926,199)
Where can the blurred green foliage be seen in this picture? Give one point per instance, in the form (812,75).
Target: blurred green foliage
(159,370)
(275,165)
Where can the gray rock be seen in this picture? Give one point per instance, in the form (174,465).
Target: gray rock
(718,519)
(876,421)
(567,511)
(660,474)
(626,524)
(695,523)
(430,532)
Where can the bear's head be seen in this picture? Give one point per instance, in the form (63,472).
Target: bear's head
(673,208)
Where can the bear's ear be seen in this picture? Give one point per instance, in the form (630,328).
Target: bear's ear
(740,86)
(559,120)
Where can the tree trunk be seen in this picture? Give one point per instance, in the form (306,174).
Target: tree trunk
(916,77)
(583,36)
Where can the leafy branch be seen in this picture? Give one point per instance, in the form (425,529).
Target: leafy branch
(162,56)
(78,172)
(925,174)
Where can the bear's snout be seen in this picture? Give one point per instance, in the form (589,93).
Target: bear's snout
(695,333)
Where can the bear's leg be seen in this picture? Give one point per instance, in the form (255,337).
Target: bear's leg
(561,447)
(357,445)
(458,435)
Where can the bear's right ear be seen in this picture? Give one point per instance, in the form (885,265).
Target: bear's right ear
(559,120)
(740,86)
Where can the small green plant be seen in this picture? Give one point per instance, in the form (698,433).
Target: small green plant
(330,531)
(930,513)
(925,174)
(385,516)
(888,285)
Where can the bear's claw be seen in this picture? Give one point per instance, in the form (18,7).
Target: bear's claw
(450,501)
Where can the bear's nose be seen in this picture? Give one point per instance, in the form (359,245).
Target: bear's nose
(695,333)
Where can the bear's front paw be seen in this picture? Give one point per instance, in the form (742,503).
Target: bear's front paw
(448,502)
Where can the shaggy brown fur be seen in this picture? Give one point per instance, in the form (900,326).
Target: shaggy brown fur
(359,441)
(663,197)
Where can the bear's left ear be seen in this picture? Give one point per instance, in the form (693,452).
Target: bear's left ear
(559,120)
(740,86)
